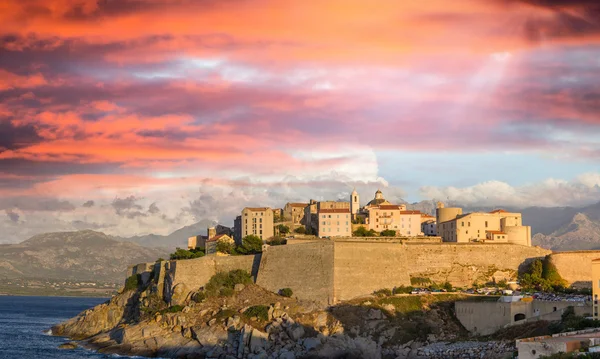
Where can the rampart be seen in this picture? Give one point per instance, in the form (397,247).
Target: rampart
(361,268)
(329,271)
(575,267)
(307,268)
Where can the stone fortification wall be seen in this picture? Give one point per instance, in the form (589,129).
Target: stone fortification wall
(329,271)
(189,275)
(361,268)
(306,268)
(575,267)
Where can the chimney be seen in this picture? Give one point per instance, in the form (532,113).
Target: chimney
(212,231)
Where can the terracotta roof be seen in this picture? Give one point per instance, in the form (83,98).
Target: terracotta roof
(257,209)
(410,212)
(495,232)
(388,206)
(335,210)
(498,211)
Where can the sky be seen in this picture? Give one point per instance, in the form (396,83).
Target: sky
(143,116)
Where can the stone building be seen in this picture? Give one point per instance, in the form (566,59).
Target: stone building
(294,214)
(334,222)
(312,209)
(257,221)
(497,226)
(380,215)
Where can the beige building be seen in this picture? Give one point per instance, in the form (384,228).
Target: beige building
(596,285)
(312,209)
(257,221)
(497,226)
(294,213)
(334,222)
(391,217)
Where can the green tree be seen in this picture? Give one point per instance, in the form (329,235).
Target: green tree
(283,229)
(286,292)
(181,253)
(363,232)
(224,247)
(300,230)
(250,245)
(276,241)
(388,233)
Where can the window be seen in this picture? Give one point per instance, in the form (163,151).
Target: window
(260,220)
(323,222)
(323,216)
(469,224)
(260,225)
(329,216)
(485,224)
(462,224)
(261,232)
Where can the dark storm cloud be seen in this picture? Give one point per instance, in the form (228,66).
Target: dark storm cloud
(14,137)
(572,19)
(48,170)
(89,204)
(14,217)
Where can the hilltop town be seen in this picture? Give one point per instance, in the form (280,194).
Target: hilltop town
(336,279)
(378,218)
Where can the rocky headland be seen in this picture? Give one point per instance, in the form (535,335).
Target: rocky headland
(251,322)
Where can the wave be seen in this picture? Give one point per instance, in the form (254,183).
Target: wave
(47,332)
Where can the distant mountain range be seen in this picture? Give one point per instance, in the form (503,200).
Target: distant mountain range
(73,256)
(173,240)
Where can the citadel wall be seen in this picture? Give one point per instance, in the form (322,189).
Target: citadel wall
(361,268)
(306,268)
(331,271)
(575,267)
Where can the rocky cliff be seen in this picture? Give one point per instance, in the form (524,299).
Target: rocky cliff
(140,323)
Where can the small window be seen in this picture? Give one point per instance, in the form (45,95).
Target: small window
(462,224)
(486,224)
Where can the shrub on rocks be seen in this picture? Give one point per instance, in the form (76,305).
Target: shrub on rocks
(132,282)
(259,311)
(224,283)
(385,292)
(286,292)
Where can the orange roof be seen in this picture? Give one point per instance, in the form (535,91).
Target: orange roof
(257,209)
(335,210)
(495,232)
(410,212)
(498,211)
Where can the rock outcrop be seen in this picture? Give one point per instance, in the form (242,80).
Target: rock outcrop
(255,323)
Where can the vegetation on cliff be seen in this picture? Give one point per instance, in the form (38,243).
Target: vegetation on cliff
(363,232)
(186,254)
(542,275)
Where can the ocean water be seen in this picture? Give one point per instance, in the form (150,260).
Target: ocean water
(24,322)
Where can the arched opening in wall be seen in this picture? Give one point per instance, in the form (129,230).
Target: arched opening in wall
(519,316)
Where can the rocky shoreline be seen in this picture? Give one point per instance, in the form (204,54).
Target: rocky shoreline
(243,326)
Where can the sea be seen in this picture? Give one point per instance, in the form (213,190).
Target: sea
(25,323)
